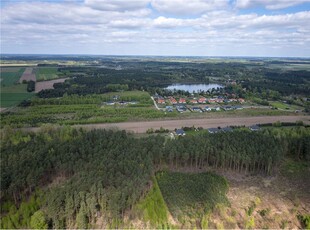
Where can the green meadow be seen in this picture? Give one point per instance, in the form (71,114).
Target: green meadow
(47,73)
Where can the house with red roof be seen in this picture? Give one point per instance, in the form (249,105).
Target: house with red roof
(241,100)
(161,101)
(202,100)
(182,101)
(173,101)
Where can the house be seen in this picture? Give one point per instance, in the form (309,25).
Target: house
(110,103)
(213,130)
(193,101)
(254,128)
(161,101)
(173,101)
(226,108)
(211,100)
(122,103)
(227,129)
(207,108)
(241,100)
(169,108)
(180,132)
(202,100)
(196,109)
(182,101)
(219,100)
(181,108)
(238,107)
(217,108)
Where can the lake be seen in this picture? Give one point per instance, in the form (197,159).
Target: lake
(194,87)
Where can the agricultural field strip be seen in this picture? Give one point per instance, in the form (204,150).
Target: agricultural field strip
(28,75)
(47,73)
(143,126)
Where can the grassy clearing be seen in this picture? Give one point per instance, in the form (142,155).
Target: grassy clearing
(11,77)
(190,197)
(152,208)
(13,95)
(281,105)
(294,168)
(47,73)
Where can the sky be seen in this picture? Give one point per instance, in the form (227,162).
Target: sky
(267,28)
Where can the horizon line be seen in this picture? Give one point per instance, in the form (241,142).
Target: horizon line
(152,55)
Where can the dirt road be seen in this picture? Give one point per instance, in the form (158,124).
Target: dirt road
(143,126)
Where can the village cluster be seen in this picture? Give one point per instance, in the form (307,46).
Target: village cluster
(201,104)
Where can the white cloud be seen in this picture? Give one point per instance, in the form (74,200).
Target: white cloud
(268,4)
(72,27)
(186,7)
(117,5)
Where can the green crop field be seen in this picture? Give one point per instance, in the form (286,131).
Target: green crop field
(190,197)
(11,77)
(13,95)
(47,73)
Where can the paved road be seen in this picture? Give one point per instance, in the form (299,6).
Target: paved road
(142,126)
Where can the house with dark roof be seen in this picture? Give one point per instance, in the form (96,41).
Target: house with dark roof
(123,102)
(227,129)
(196,109)
(180,132)
(207,108)
(181,108)
(238,107)
(227,108)
(213,130)
(169,108)
(254,128)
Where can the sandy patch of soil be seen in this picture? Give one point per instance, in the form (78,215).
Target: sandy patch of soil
(47,84)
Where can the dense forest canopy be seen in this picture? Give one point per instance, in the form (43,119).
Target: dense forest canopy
(102,173)
(147,75)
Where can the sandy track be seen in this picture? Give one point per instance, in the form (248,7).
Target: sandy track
(143,126)
(48,84)
(28,75)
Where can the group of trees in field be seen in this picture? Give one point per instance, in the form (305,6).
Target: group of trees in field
(102,173)
(31,86)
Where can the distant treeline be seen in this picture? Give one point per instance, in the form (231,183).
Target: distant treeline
(102,173)
(148,75)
